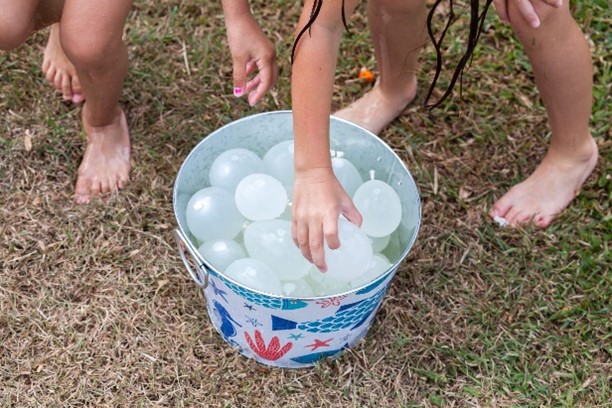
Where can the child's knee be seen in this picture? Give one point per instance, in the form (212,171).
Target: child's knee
(86,51)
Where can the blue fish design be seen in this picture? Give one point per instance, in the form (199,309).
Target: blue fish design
(227,328)
(314,357)
(352,315)
(266,301)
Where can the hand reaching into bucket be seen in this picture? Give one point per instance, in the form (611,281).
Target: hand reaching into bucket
(251,51)
(318,200)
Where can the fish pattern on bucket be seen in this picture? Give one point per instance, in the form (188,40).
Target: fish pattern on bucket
(291,332)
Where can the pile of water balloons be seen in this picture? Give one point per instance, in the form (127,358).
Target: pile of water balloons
(242,222)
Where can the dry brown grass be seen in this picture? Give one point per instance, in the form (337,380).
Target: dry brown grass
(96,308)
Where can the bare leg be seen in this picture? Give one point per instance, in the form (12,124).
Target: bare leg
(19,19)
(563,70)
(91,37)
(398,33)
(58,70)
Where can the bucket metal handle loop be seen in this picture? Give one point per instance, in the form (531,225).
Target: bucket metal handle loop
(200,274)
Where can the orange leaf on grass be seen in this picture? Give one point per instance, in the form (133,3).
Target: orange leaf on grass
(366,74)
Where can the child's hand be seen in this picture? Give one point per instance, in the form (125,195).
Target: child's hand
(251,50)
(526,8)
(318,200)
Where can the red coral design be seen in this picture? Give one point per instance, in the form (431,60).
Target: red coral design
(332,301)
(272,352)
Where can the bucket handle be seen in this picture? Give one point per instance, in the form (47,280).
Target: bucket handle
(200,275)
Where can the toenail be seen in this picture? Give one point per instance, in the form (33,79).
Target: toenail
(501,221)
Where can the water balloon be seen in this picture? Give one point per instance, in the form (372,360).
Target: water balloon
(379,243)
(324,285)
(221,253)
(254,274)
(379,206)
(233,165)
(212,214)
(297,289)
(260,197)
(347,174)
(270,241)
(278,162)
(353,257)
(379,265)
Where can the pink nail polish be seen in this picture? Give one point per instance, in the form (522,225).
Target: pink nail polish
(237,91)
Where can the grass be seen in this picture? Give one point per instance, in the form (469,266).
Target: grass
(96,308)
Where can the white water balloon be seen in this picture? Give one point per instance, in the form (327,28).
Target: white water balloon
(297,289)
(379,243)
(260,197)
(353,257)
(233,165)
(347,174)
(212,214)
(270,241)
(379,265)
(254,274)
(221,253)
(278,162)
(380,207)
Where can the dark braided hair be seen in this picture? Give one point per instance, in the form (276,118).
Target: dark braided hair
(477,18)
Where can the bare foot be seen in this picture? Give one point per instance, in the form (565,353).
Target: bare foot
(548,190)
(106,163)
(376,109)
(58,70)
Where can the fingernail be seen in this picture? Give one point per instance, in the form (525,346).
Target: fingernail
(237,91)
(559,3)
(535,23)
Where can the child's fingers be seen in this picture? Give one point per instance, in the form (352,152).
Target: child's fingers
(528,11)
(352,214)
(301,239)
(315,246)
(267,77)
(554,3)
(239,76)
(501,6)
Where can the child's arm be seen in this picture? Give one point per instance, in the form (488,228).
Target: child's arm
(526,8)
(251,50)
(318,198)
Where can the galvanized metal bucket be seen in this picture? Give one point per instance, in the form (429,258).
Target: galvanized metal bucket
(278,330)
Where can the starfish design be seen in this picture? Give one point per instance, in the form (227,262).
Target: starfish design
(319,343)
(218,292)
(296,336)
(250,307)
(254,322)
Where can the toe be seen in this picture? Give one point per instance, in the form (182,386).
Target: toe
(66,88)
(50,75)
(46,65)
(77,90)
(501,208)
(95,188)
(122,183)
(524,218)
(543,221)
(512,216)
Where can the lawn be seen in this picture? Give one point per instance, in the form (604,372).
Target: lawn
(96,308)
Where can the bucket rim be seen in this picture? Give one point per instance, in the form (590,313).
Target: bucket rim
(392,268)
